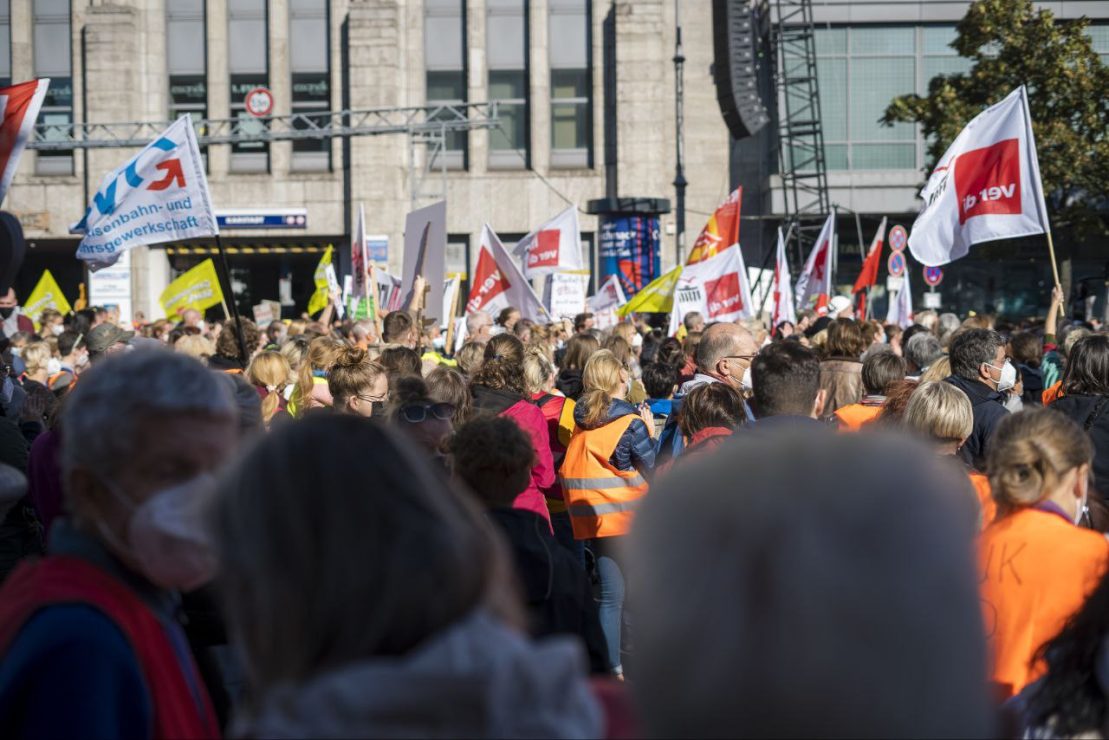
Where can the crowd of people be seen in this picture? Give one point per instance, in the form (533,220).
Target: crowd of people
(332,528)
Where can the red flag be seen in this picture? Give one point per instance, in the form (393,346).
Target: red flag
(869,276)
(721,232)
(19,109)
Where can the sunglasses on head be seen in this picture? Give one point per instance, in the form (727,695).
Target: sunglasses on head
(416,413)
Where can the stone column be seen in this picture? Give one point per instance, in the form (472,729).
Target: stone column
(281,83)
(219,84)
(539,66)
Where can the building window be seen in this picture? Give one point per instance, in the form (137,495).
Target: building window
(5,43)
(248,60)
(571,84)
(445,62)
(310,62)
(507,54)
(859,71)
(53,59)
(187,60)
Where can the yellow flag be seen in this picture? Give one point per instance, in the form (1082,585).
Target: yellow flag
(655,297)
(322,294)
(198,288)
(46,294)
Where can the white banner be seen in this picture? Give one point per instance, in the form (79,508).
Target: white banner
(604,305)
(716,287)
(816,277)
(901,305)
(565,295)
(985,187)
(553,247)
(159,195)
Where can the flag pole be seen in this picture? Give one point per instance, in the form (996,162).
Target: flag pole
(1051,251)
(234,308)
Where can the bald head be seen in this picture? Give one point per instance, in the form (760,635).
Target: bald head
(726,351)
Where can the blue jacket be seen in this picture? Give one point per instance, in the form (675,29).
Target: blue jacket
(986,403)
(636,449)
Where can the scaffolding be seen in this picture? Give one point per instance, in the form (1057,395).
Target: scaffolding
(802,168)
(426,128)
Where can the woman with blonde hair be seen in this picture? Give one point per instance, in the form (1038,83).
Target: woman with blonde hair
(937,371)
(411,629)
(269,374)
(311,388)
(195,345)
(36,357)
(1036,566)
(604,478)
(942,416)
(358,385)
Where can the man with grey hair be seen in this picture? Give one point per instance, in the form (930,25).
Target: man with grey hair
(921,351)
(89,642)
(724,355)
(981,370)
(479,325)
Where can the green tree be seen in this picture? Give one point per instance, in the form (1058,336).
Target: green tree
(1011,43)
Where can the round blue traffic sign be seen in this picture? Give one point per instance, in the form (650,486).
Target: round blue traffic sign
(933,276)
(898,238)
(896,264)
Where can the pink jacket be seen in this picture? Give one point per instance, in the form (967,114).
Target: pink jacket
(530,418)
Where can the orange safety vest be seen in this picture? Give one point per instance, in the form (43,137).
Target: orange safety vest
(601,499)
(851,418)
(1053,394)
(986,504)
(1036,570)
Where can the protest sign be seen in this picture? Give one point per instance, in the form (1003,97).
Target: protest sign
(425,253)
(199,288)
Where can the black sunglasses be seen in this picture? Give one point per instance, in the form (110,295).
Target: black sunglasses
(417,413)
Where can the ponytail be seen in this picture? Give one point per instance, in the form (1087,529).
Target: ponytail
(601,379)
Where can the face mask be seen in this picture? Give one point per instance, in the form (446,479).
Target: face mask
(1008,376)
(745,382)
(53,366)
(6,313)
(17,351)
(1014,404)
(167,538)
(82,360)
(57,330)
(439,343)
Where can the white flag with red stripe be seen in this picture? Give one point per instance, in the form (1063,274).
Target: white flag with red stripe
(816,277)
(498,282)
(553,247)
(985,187)
(19,109)
(782,289)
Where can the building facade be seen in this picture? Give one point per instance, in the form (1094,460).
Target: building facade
(153,60)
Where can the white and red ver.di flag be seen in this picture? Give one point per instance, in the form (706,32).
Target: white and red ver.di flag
(986,187)
(498,282)
(553,247)
(716,287)
(782,289)
(816,277)
(19,109)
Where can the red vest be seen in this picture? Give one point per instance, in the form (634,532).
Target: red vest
(55,580)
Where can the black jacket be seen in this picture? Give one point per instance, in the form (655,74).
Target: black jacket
(1092,416)
(988,413)
(557,592)
(569,384)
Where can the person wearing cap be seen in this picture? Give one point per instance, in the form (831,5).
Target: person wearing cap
(840,308)
(107,339)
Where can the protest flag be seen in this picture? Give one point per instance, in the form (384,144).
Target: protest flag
(655,297)
(605,304)
(868,277)
(816,277)
(901,306)
(20,105)
(320,298)
(986,187)
(783,288)
(721,231)
(716,287)
(499,283)
(362,291)
(159,195)
(199,288)
(46,295)
(553,247)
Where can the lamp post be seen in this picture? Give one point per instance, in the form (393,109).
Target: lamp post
(679,126)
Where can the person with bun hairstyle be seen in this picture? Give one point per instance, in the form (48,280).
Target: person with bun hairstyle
(604,480)
(269,374)
(357,384)
(1036,566)
(499,389)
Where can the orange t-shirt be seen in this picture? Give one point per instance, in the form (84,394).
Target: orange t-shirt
(852,418)
(1036,570)
(986,503)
